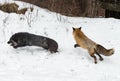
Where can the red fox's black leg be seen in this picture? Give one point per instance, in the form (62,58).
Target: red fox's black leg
(76,45)
(100,57)
(95,59)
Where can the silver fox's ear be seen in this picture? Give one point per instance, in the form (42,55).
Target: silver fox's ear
(80,28)
(73,28)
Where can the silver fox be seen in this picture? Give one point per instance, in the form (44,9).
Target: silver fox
(22,39)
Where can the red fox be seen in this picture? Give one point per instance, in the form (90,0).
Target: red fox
(93,48)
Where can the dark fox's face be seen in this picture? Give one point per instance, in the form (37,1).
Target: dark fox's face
(13,41)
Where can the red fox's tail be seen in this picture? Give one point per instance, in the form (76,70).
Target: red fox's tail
(101,50)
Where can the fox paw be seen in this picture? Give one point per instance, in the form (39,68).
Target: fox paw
(95,62)
(101,59)
(15,47)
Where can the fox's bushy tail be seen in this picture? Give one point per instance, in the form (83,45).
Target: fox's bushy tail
(101,50)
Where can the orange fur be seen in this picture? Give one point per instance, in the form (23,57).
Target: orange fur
(93,48)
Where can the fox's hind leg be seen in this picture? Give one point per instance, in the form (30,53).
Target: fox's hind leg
(95,59)
(100,57)
(91,52)
(76,45)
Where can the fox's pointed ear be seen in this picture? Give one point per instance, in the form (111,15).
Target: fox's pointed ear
(80,28)
(73,28)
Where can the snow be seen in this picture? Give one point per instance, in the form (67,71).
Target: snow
(69,64)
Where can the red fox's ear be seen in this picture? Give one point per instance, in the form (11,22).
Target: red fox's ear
(80,28)
(73,28)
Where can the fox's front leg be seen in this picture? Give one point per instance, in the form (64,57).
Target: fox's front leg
(15,47)
(76,45)
(19,46)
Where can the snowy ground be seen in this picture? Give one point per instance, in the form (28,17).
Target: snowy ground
(69,64)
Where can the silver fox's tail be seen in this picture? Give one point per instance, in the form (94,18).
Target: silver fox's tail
(101,50)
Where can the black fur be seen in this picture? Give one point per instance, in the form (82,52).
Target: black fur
(22,39)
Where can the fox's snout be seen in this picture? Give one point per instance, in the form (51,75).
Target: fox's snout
(9,42)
